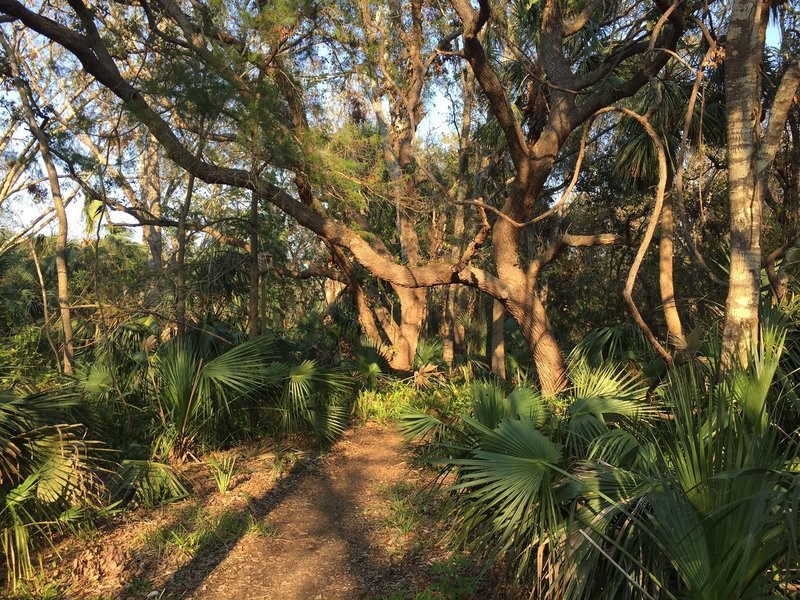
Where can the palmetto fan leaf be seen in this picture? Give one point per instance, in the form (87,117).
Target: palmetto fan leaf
(240,369)
(311,395)
(45,471)
(491,404)
(194,392)
(609,381)
(370,360)
(509,481)
(24,420)
(599,397)
(150,483)
(418,427)
(616,344)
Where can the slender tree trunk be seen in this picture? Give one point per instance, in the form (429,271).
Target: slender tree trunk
(780,277)
(252,307)
(150,186)
(181,292)
(45,306)
(498,339)
(666,277)
(62,273)
(780,281)
(264,301)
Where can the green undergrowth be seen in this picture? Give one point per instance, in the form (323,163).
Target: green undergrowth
(451,579)
(393,398)
(414,512)
(200,531)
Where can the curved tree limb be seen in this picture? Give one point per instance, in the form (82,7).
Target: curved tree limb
(97,62)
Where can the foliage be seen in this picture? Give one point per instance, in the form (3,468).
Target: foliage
(223,471)
(636,480)
(205,391)
(370,362)
(427,363)
(147,483)
(312,396)
(394,399)
(195,394)
(598,495)
(48,474)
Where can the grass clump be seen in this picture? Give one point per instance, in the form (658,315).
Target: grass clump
(223,470)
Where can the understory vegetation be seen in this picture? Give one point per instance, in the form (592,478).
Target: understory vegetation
(620,488)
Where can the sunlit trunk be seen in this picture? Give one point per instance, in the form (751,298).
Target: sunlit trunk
(150,187)
(745,49)
(666,277)
(498,346)
(413,310)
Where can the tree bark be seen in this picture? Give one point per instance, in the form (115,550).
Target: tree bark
(498,350)
(150,186)
(666,276)
(413,310)
(252,305)
(745,50)
(530,315)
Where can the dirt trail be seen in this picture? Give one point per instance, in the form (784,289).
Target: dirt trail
(327,538)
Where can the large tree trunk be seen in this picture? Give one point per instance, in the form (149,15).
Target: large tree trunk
(413,301)
(530,315)
(751,152)
(745,49)
(413,310)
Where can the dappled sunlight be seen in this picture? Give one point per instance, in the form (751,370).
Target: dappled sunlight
(399,299)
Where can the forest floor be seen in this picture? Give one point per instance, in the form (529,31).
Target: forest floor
(352,523)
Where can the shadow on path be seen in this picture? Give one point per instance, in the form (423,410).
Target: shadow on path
(325,544)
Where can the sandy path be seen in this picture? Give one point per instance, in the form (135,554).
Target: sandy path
(329,539)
